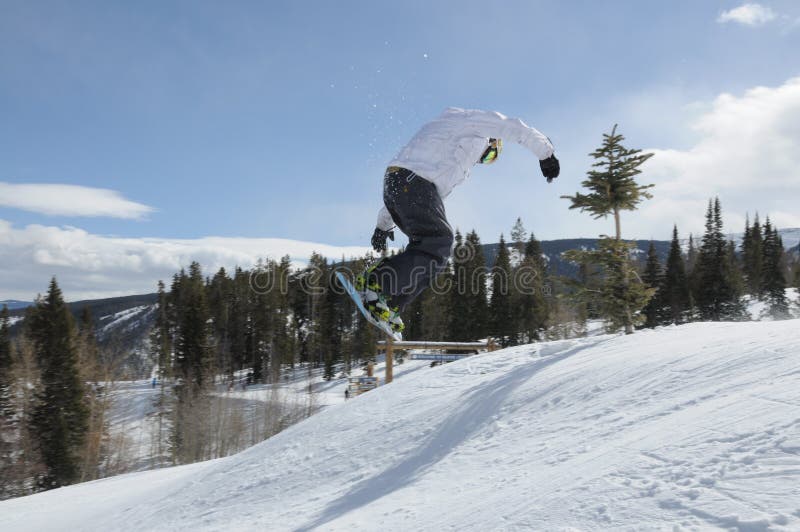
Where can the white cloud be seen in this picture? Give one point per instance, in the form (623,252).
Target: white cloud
(748,14)
(748,154)
(70,200)
(91,266)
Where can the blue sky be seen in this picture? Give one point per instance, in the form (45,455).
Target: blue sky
(265,119)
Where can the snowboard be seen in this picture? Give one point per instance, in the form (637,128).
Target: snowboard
(354,295)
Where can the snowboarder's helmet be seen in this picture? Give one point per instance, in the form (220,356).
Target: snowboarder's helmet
(492,151)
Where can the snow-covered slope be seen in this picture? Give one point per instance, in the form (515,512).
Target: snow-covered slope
(682,427)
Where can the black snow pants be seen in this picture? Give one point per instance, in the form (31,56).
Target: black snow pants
(418,211)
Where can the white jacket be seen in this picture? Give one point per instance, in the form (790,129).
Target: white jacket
(445,150)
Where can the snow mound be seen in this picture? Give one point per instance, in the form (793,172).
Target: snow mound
(696,426)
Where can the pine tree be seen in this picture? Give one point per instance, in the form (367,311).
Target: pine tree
(283,336)
(773,281)
(735,309)
(532,283)
(218,295)
(458,329)
(476,313)
(518,236)
(503,323)
(193,355)
(59,421)
(161,342)
(161,336)
(260,313)
(753,257)
(467,300)
(653,277)
(240,324)
(675,285)
(6,403)
(5,367)
(332,327)
(691,255)
(612,189)
(715,285)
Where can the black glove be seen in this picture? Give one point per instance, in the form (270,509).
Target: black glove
(550,168)
(379,239)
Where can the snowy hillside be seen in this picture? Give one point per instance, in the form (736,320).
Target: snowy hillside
(685,427)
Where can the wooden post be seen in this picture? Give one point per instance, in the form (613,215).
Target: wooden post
(490,345)
(370,369)
(389,360)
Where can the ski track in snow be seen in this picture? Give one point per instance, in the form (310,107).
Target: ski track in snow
(694,427)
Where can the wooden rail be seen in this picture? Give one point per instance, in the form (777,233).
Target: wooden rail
(390,345)
(439,346)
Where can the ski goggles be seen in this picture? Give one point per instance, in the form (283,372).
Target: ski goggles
(491,153)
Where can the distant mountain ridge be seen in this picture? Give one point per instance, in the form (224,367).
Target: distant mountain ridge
(14,304)
(122,324)
(554,249)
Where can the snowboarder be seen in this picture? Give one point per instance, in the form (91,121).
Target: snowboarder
(421,175)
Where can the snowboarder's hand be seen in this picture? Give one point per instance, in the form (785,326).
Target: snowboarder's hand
(379,239)
(550,168)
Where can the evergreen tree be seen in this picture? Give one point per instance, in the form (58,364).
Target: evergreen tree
(5,368)
(653,277)
(715,287)
(193,355)
(264,303)
(675,285)
(6,403)
(613,188)
(9,440)
(796,270)
(458,329)
(332,327)
(736,308)
(161,337)
(161,341)
(476,313)
(620,294)
(518,236)
(219,299)
(283,336)
(691,255)
(59,420)
(467,294)
(753,257)
(240,323)
(503,323)
(773,281)
(532,283)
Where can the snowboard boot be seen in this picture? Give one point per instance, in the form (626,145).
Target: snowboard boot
(375,302)
(380,309)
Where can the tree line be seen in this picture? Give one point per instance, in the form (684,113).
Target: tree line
(715,280)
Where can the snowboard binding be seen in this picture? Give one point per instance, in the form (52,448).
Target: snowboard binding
(375,302)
